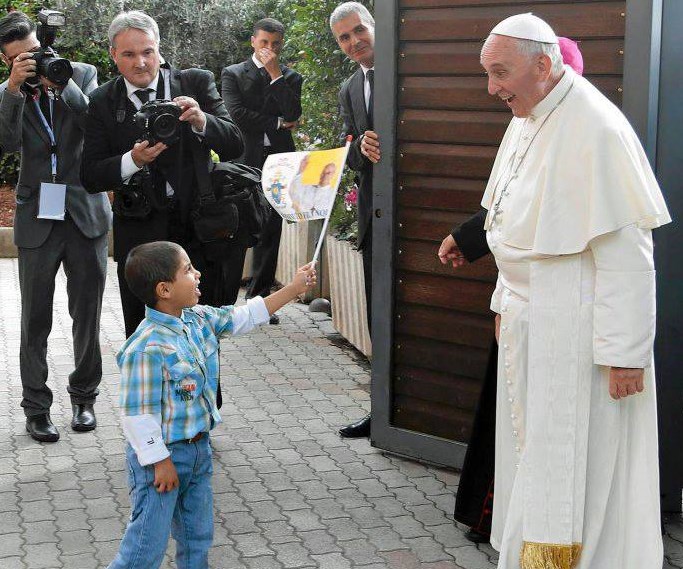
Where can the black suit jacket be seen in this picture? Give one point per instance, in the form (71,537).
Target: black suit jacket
(355,117)
(255,105)
(108,139)
(471,237)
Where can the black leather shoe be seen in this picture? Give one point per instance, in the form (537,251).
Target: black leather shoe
(84,417)
(475,537)
(40,428)
(356,430)
(274,319)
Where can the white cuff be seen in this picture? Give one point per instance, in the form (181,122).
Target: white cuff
(276,79)
(246,317)
(143,432)
(258,311)
(128,167)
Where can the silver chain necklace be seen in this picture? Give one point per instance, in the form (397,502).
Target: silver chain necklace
(513,158)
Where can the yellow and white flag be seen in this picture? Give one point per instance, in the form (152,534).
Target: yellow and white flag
(301,186)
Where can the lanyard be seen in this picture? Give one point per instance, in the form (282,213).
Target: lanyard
(51,134)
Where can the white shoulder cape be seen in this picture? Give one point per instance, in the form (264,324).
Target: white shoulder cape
(585,175)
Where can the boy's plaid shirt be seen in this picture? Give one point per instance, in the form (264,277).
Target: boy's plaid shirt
(169,367)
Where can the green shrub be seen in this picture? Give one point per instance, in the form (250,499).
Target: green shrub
(212,34)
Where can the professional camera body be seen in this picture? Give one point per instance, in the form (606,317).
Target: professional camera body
(159,121)
(48,64)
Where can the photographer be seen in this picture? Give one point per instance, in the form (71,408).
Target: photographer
(56,222)
(155,183)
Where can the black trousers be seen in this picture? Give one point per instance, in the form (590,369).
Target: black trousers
(474,500)
(264,259)
(85,265)
(366,251)
(265,252)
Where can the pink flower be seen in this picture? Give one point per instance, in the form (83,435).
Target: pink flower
(351,197)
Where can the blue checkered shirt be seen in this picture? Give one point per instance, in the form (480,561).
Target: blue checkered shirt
(170,368)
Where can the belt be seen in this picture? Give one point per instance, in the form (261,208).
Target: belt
(194,439)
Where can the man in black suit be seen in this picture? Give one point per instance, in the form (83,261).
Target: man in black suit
(264,99)
(354,29)
(34,110)
(113,153)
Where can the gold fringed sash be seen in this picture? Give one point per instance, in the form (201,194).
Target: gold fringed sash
(549,555)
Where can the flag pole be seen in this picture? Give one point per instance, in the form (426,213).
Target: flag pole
(319,246)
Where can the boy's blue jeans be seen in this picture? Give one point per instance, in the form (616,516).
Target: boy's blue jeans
(187,511)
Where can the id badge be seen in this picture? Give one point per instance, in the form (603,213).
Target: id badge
(52,203)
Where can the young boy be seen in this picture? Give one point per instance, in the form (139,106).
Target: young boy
(169,372)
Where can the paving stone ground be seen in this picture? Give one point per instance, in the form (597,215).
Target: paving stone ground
(289,492)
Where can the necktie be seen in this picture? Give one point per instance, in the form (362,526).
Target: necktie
(371,81)
(143,94)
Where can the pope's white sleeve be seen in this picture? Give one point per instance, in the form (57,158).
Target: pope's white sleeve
(143,432)
(624,309)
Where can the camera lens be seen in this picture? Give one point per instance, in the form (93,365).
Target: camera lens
(165,126)
(59,71)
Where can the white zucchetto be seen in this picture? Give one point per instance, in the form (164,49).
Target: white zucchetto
(526,27)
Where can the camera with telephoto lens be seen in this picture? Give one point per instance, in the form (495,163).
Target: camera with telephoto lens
(159,121)
(48,64)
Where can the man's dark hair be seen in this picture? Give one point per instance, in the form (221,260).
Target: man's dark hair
(270,25)
(148,265)
(15,26)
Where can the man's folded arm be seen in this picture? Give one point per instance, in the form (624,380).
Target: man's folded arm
(247,119)
(287,93)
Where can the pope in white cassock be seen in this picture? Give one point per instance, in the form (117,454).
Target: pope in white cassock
(571,204)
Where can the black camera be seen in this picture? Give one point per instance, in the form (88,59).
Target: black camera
(159,121)
(48,64)
(130,200)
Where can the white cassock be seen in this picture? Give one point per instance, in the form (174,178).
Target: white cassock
(572,201)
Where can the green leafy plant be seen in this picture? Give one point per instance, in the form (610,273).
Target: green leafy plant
(212,34)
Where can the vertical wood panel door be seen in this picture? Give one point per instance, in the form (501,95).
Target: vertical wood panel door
(447,134)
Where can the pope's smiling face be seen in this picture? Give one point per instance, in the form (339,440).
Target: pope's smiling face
(519,79)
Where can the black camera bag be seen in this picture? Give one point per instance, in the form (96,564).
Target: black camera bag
(131,201)
(231,207)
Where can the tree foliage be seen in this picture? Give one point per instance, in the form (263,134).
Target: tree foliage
(212,34)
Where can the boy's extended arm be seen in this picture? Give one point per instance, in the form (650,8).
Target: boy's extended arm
(241,319)
(140,399)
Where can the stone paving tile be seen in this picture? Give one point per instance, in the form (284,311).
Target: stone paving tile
(289,492)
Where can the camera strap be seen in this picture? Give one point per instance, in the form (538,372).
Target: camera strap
(51,135)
